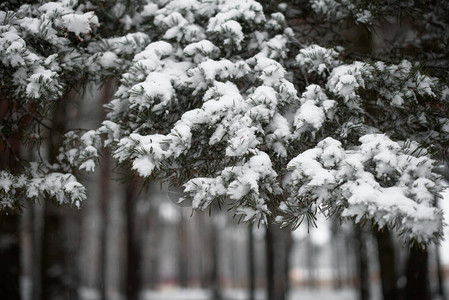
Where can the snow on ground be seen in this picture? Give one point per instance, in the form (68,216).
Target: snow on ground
(240,294)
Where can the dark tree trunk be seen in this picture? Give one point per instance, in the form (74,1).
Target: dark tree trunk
(38,251)
(251,264)
(270,263)
(336,254)
(154,229)
(440,276)
(9,257)
(104,197)
(417,287)
(387,263)
(132,244)
(362,264)
(105,180)
(58,274)
(216,288)
(277,260)
(288,248)
(183,258)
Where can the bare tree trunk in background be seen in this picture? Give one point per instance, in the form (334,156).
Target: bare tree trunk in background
(270,256)
(132,244)
(26,252)
(288,244)
(251,264)
(155,235)
(336,254)
(440,275)
(116,244)
(71,240)
(362,263)
(105,181)
(216,288)
(441,291)
(9,257)
(277,262)
(417,287)
(60,233)
(206,259)
(38,255)
(387,263)
(183,271)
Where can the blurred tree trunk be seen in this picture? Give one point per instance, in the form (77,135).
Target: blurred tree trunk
(387,263)
(251,264)
(116,245)
(105,181)
(288,244)
(216,288)
(362,263)
(336,254)
(38,248)
(155,236)
(105,174)
(26,252)
(277,247)
(9,257)
(270,256)
(59,272)
(132,244)
(417,287)
(183,258)
(440,276)
(441,292)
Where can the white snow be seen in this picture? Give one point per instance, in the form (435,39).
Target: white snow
(80,23)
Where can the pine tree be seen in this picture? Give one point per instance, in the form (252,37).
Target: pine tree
(234,105)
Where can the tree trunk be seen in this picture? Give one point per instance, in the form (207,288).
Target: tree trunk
(417,287)
(55,275)
(216,289)
(440,276)
(155,236)
(387,263)
(336,254)
(288,244)
(251,264)
(183,258)
(26,252)
(9,257)
(269,248)
(104,197)
(132,245)
(277,252)
(38,255)
(105,181)
(362,264)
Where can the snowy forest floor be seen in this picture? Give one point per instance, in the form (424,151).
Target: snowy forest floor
(241,294)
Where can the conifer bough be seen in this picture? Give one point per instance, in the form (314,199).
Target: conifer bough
(222,99)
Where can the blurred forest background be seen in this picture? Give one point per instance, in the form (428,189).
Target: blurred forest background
(131,239)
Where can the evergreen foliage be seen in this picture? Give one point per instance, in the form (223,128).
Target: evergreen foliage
(235,106)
